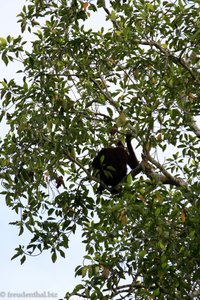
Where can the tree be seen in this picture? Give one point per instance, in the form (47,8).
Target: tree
(80,90)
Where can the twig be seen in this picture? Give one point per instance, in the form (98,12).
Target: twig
(109,14)
(106,94)
(170,54)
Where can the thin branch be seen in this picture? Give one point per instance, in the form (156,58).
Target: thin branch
(127,288)
(109,14)
(106,94)
(103,115)
(168,53)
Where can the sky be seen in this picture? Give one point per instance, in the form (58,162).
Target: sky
(38,276)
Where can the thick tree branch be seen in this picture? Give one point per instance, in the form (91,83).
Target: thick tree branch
(165,177)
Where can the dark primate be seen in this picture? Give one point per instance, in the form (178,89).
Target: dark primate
(110,164)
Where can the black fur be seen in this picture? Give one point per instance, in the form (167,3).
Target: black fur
(110,164)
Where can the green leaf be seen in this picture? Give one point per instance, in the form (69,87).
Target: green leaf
(150,6)
(129,179)
(5,58)
(3,43)
(23,259)
(54,257)
(113,15)
(62,253)
(101,3)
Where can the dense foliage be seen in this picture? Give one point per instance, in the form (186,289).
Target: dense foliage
(81,89)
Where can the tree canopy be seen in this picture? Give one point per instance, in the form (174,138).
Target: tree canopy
(81,89)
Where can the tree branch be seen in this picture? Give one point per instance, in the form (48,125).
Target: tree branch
(109,14)
(106,94)
(165,177)
(170,54)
